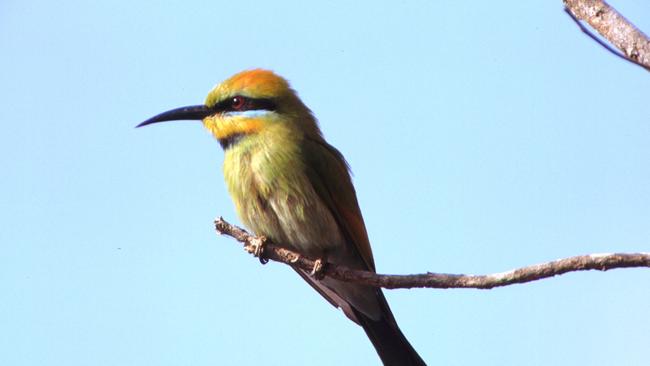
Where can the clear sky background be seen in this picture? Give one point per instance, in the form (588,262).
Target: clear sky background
(483,136)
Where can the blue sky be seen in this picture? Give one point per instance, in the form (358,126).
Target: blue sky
(482,137)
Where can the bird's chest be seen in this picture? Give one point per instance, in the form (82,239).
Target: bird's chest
(274,197)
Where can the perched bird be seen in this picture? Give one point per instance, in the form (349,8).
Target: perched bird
(294,188)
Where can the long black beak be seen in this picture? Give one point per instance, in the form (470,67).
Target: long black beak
(193,112)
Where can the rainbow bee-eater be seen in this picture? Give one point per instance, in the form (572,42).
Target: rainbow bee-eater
(289,185)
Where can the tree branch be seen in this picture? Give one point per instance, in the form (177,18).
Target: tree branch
(612,26)
(601,262)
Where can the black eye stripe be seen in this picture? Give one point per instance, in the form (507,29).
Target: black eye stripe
(249,104)
(266,104)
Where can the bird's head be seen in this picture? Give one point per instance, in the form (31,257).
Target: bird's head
(247,103)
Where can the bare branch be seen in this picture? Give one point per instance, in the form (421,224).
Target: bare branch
(612,26)
(601,262)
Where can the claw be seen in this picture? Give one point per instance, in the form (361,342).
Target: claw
(256,247)
(317,272)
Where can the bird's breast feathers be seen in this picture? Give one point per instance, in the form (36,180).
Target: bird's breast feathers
(274,197)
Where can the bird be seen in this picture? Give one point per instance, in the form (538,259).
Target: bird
(289,185)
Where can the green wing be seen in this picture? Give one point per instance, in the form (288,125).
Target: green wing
(328,173)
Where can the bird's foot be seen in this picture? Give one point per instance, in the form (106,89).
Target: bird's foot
(318,272)
(256,247)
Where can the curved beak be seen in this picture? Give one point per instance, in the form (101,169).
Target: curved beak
(193,112)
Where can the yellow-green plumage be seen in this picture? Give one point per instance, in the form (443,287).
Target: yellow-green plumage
(291,186)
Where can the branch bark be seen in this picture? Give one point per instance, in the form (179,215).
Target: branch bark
(276,252)
(614,27)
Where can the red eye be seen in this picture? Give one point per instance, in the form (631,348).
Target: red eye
(237,102)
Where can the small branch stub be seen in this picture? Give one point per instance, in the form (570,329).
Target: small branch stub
(275,252)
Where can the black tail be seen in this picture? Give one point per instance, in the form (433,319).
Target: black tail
(391,345)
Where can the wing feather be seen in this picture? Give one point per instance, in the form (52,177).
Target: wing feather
(329,174)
